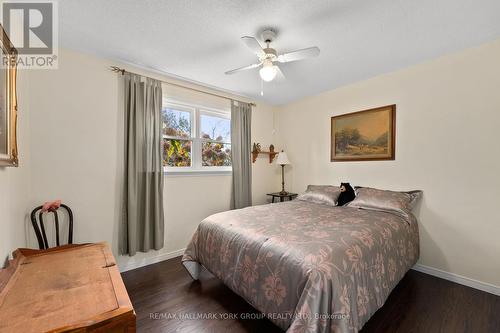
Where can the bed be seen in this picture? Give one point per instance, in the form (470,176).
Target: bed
(308,267)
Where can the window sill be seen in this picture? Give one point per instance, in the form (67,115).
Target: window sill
(197,173)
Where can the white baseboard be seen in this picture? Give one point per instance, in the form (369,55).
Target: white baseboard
(150,260)
(489,288)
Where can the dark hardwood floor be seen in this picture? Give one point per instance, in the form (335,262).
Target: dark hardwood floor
(419,304)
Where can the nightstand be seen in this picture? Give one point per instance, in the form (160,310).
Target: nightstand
(282,197)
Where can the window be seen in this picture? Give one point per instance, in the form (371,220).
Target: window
(195,138)
(177,138)
(215,134)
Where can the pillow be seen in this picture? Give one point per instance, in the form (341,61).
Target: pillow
(400,203)
(414,195)
(321,194)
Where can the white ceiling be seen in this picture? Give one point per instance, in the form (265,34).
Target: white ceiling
(199,40)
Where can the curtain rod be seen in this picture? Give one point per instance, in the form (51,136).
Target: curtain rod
(123,71)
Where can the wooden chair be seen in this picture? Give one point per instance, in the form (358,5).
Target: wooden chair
(41,236)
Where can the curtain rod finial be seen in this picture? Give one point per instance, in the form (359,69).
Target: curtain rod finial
(117,69)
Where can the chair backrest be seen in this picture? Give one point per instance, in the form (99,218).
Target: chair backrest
(41,236)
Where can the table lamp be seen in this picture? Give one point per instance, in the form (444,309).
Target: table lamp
(283,160)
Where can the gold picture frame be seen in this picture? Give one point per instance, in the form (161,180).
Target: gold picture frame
(368,135)
(8,103)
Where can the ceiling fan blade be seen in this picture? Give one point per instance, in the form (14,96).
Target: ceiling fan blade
(280,77)
(243,68)
(253,45)
(310,52)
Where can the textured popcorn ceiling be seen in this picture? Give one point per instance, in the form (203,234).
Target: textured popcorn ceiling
(199,40)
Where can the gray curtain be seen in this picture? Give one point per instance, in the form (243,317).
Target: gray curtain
(241,142)
(142,228)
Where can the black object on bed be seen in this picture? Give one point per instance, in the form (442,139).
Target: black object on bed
(346,194)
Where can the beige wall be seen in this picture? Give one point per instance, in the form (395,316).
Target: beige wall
(448,118)
(15,203)
(77,145)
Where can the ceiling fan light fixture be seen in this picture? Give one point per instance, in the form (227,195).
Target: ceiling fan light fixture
(268,71)
(268,56)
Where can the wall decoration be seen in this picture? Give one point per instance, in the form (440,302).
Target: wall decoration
(8,103)
(257,150)
(364,135)
(256,147)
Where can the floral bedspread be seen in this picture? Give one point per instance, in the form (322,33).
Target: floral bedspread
(307,267)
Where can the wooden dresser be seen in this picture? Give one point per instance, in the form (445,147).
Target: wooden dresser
(73,288)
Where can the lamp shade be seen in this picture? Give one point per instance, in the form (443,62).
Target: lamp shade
(282,159)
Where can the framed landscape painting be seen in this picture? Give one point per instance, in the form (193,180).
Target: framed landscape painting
(8,102)
(364,135)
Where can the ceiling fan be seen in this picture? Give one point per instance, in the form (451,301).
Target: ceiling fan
(268,56)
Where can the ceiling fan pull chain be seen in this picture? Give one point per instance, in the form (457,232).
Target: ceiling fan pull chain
(261,87)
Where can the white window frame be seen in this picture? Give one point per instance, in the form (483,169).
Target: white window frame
(196,167)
